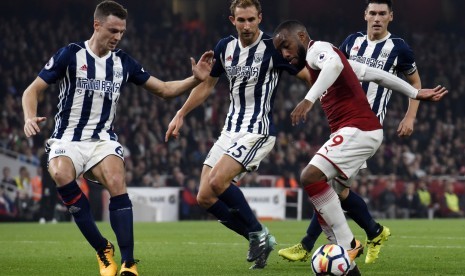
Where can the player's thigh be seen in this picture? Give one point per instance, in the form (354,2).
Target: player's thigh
(62,170)
(225,170)
(346,151)
(65,160)
(106,166)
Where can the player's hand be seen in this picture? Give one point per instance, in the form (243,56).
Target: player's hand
(202,69)
(174,127)
(405,128)
(31,126)
(299,114)
(433,95)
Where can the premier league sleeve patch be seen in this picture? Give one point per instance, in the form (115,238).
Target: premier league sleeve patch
(322,56)
(49,64)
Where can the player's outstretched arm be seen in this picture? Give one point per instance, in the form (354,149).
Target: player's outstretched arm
(198,95)
(171,89)
(383,78)
(29,102)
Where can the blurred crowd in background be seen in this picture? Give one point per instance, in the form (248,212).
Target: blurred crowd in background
(432,159)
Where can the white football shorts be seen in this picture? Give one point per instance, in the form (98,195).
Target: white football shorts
(346,152)
(248,149)
(84,154)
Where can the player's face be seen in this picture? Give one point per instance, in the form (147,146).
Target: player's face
(291,48)
(109,32)
(246,22)
(377,17)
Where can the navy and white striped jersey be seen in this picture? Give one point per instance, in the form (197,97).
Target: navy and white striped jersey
(89,90)
(392,54)
(253,73)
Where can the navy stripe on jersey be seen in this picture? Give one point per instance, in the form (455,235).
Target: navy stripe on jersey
(88,99)
(362,49)
(253,151)
(237,52)
(107,101)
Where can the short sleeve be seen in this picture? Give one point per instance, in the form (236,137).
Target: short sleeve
(218,55)
(55,68)
(136,73)
(406,60)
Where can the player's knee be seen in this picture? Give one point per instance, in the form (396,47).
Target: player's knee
(115,183)
(204,201)
(61,176)
(217,184)
(343,193)
(309,175)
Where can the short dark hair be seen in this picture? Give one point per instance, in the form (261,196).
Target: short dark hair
(387,2)
(245,4)
(289,25)
(107,8)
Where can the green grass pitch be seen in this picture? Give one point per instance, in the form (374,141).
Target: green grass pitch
(416,247)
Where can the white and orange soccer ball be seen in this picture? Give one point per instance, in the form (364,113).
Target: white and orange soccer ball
(330,259)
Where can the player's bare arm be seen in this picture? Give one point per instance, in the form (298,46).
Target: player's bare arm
(406,126)
(198,96)
(29,102)
(171,89)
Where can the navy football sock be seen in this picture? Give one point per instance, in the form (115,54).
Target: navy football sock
(357,209)
(235,200)
(79,207)
(121,221)
(313,232)
(228,218)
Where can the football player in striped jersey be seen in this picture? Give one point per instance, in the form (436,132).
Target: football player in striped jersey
(91,75)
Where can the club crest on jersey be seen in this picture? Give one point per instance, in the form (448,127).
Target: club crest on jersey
(118,72)
(385,54)
(49,64)
(257,58)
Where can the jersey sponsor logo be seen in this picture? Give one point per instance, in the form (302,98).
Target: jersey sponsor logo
(49,64)
(372,62)
(248,72)
(99,85)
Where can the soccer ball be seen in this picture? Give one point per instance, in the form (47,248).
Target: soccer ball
(330,259)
